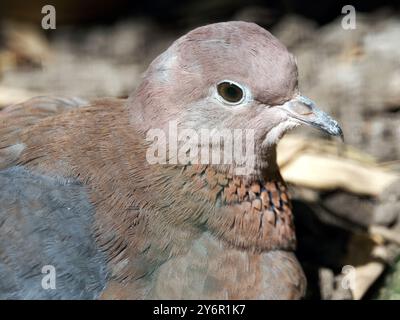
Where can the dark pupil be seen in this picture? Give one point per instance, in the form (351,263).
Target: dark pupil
(230,92)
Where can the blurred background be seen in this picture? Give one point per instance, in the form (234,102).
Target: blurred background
(346,196)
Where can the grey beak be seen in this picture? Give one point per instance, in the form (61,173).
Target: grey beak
(305,111)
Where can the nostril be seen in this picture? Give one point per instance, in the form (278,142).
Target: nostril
(302,109)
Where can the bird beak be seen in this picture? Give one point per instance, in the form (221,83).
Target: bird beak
(305,111)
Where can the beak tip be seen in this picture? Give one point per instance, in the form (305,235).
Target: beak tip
(341,135)
(336,131)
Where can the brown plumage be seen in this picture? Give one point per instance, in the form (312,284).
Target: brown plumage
(174,230)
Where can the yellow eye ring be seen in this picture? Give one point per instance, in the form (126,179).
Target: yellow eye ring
(230,92)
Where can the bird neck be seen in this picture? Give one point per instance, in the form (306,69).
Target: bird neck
(247,212)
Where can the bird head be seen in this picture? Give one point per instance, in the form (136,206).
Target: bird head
(228,76)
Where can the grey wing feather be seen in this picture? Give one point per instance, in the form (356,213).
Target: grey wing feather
(47,221)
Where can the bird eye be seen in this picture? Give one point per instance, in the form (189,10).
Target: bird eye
(230,92)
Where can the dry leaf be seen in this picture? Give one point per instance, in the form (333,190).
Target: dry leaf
(317,164)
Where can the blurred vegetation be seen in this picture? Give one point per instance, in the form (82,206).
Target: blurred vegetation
(391,287)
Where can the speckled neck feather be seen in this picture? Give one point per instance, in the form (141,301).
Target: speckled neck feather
(251,214)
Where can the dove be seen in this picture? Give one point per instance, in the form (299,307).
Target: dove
(85,213)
